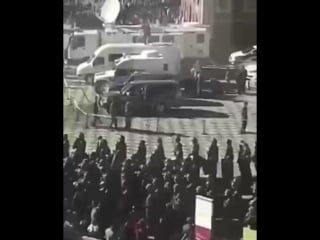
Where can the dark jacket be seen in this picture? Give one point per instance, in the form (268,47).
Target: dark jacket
(213,153)
(122,148)
(141,154)
(80,146)
(103,146)
(229,153)
(195,150)
(159,153)
(178,152)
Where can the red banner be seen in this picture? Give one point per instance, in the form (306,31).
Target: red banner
(203,218)
(202,233)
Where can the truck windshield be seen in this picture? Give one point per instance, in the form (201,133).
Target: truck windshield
(89,60)
(122,72)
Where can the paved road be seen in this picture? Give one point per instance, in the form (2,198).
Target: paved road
(222,120)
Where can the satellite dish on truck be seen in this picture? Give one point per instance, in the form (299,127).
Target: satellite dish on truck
(110,11)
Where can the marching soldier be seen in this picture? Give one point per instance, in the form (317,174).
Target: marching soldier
(213,157)
(244,116)
(80,145)
(227,163)
(178,153)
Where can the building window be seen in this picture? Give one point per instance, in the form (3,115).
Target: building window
(250,5)
(223,6)
(200,38)
(78,41)
(168,38)
(154,39)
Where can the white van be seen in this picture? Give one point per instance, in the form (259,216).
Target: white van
(152,61)
(104,57)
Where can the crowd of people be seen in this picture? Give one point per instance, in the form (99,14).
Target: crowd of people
(110,195)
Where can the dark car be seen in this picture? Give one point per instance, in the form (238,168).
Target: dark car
(212,79)
(147,95)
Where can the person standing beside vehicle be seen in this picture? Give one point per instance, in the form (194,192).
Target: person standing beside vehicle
(196,76)
(227,78)
(113,113)
(96,108)
(146,31)
(241,79)
(128,114)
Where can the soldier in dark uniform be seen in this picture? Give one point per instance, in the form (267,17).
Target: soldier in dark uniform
(195,147)
(197,160)
(178,152)
(213,158)
(157,158)
(244,116)
(121,148)
(227,163)
(118,158)
(80,145)
(113,113)
(244,158)
(140,155)
(128,114)
(159,150)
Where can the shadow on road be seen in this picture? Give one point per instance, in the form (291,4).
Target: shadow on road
(250,132)
(185,113)
(194,113)
(199,102)
(139,131)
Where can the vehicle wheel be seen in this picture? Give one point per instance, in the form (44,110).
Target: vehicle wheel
(160,108)
(89,79)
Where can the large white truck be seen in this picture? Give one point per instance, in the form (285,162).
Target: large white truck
(152,61)
(104,58)
(150,64)
(193,40)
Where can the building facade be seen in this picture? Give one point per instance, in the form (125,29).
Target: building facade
(233,23)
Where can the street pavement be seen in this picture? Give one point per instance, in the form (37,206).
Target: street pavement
(201,118)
